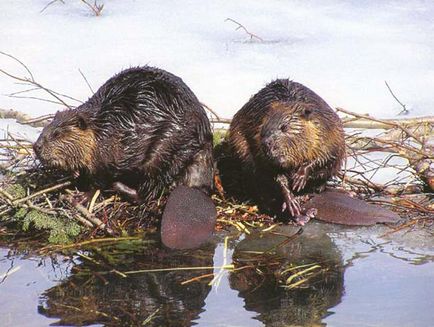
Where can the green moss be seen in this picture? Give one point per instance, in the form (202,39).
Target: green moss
(20,213)
(61,230)
(16,190)
(64,234)
(219,136)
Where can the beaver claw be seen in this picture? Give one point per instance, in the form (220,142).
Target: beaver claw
(292,205)
(299,179)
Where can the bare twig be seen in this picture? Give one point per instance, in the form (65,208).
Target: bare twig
(14,95)
(210,110)
(361,121)
(95,7)
(6,195)
(49,4)
(217,118)
(241,26)
(31,80)
(87,82)
(47,190)
(20,62)
(404,109)
(399,126)
(22,118)
(367,123)
(40,121)
(97,222)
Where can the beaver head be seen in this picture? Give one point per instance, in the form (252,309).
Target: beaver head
(68,143)
(293,133)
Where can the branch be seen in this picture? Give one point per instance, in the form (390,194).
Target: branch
(25,119)
(367,123)
(241,26)
(390,123)
(96,8)
(87,82)
(31,80)
(217,118)
(404,110)
(361,121)
(49,4)
(47,190)
(88,216)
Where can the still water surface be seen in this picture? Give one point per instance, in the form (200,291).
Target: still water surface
(364,280)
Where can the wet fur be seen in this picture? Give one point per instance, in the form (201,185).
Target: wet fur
(143,128)
(285,134)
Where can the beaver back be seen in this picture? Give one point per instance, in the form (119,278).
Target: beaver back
(147,128)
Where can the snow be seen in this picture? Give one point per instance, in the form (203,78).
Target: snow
(343,50)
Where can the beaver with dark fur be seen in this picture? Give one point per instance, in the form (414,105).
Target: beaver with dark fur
(285,141)
(142,133)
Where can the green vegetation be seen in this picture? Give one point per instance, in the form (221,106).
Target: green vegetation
(218,136)
(60,229)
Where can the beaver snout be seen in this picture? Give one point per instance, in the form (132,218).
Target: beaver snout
(37,147)
(268,142)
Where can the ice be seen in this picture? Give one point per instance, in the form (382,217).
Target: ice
(342,50)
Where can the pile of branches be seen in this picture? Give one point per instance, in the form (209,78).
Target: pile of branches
(34,198)
(411,139)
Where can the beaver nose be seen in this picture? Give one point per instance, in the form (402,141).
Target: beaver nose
(37,147)
(268,142)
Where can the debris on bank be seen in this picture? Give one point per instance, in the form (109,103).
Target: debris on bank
(47,204)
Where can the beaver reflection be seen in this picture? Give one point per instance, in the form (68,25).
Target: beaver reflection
(263,292)
(89,296)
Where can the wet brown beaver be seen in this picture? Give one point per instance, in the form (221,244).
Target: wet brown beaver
(142,133)
(285,141)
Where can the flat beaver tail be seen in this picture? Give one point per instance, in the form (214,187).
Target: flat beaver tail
(188,218)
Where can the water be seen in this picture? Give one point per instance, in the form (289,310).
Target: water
(362,279)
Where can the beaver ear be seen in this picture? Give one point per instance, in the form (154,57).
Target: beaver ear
(306,113)
(82,122)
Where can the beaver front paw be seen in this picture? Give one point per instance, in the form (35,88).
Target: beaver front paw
(299,179)
(292,205)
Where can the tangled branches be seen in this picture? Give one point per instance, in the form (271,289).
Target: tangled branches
(402,149)
(411,140)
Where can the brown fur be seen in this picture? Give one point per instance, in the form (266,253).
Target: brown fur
(83,142)
(314,138)
(142,133)
(286,140)
(67,144)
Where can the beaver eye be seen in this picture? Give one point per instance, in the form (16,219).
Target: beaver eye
(284,128)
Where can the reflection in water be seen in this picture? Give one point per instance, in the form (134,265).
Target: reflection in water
(263,291)
(385,282)
(91,295)
(95,292)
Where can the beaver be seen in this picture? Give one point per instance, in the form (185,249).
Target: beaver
(285,141)
(142,133)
